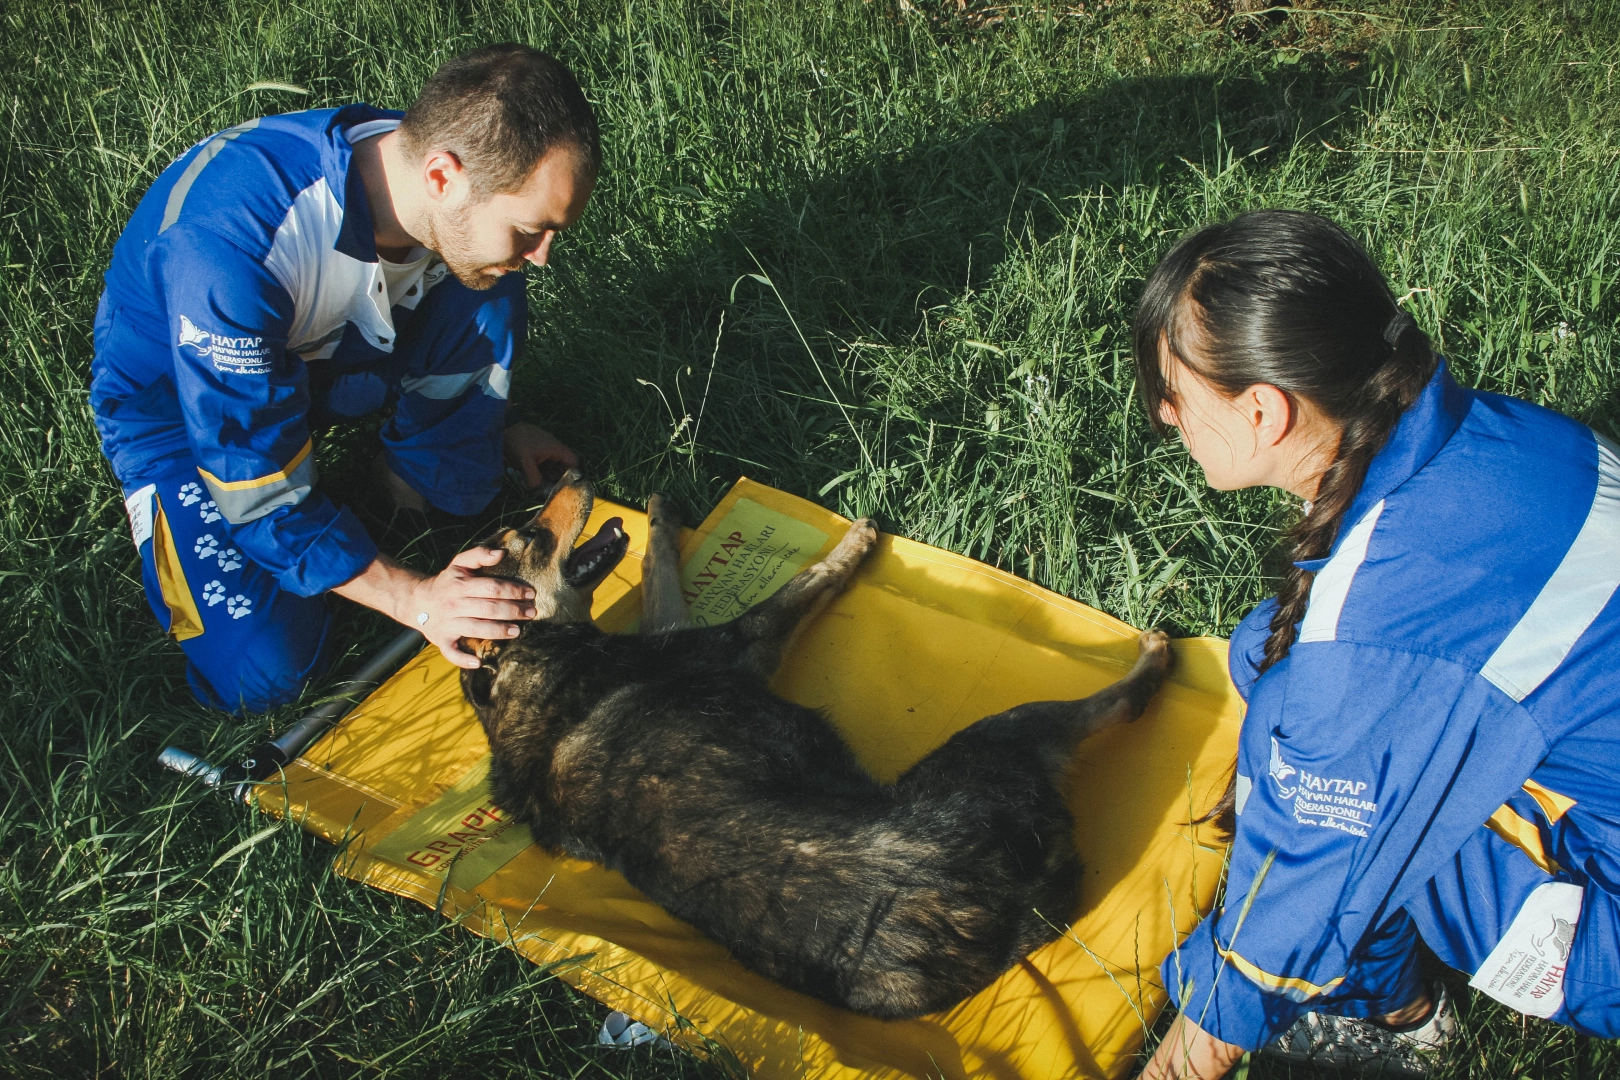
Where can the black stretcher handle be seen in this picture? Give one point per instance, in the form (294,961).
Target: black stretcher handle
(269,757)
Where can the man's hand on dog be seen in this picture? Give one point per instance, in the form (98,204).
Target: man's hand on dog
(461,604)
(453,604)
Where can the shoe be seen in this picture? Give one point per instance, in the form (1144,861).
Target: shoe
(621,1033)
(1346,1042)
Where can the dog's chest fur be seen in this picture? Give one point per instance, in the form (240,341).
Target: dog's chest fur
(624,749)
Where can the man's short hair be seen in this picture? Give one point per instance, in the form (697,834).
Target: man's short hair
(499,109)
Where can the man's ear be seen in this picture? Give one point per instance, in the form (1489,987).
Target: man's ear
(442,171)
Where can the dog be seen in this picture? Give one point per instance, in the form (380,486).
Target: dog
(664,756)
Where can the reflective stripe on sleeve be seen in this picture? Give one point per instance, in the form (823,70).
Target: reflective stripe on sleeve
(1577,591)
(1291,988)
(1332,583)
(182,186)
(1552,803)
(1525,834)
(242,501)
(494,380)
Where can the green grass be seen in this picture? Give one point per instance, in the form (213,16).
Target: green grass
(881,255)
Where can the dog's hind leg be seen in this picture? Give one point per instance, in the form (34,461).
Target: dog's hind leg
(662,605)
(768,628)
(1004,748)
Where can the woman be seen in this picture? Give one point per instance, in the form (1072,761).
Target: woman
(1433,727)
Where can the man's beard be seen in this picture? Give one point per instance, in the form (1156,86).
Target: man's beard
(447,236)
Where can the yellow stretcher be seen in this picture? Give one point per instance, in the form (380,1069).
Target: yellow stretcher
(924,643)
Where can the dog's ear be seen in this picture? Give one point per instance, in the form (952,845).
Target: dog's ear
(478,684)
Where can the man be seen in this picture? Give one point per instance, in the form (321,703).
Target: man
(301,269)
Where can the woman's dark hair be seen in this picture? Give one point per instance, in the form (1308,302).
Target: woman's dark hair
(499,109)
(1292,300)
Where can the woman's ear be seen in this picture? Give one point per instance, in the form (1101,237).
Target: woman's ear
(1270,413)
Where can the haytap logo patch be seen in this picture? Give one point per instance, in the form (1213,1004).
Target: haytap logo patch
(200,340)
(1280,772)
(1556,942)
(233,355)
(1328,802)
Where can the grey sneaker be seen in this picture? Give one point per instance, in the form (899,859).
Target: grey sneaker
(1342,1042)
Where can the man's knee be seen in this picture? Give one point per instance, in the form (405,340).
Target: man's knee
(268,662)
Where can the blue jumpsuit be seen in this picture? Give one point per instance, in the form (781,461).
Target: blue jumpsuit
(244,308)
(1439,753)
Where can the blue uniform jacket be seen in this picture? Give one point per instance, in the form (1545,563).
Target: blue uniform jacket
(245,302)
(1457,672)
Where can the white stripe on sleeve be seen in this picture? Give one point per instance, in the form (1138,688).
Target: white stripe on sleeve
(182,186)
(1332,584)
(1577,591)
(494,380)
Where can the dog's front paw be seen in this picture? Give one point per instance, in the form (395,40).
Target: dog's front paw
(857,543)
(662,513)
(1153,649)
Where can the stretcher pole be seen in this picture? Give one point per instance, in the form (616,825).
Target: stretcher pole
(268,758)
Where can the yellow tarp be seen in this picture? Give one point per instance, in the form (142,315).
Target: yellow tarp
(924,643)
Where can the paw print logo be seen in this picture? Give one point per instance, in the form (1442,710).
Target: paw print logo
(214,593)
(239,606)
(190,494)
(230,559)
(206,546)
(209,511)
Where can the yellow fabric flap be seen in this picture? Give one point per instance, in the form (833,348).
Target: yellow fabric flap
(1522,834)
(1552,803)
(923,643)
(185,621)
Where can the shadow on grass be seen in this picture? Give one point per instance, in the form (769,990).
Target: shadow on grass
(624,362)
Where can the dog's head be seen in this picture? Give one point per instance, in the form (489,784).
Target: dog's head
(543,554)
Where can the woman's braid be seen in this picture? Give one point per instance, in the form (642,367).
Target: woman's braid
(1391,390)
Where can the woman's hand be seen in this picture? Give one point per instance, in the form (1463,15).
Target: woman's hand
(529,449)
(457,602)
(1188,1052)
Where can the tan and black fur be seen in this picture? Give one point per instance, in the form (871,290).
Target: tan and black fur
(665,756)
